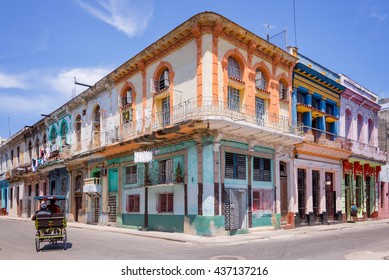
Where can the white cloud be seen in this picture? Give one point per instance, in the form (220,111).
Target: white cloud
(379,17)
(128,16)
(47,89)
(63,81)
(13,81)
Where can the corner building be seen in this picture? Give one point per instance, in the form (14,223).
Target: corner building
(193,134)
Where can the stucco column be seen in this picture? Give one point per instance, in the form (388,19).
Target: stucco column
(104,199)
(323,206)
(338,191)
(70,197)
(276,169)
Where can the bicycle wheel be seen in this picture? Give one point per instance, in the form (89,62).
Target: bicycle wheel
(37,241)
(64,239)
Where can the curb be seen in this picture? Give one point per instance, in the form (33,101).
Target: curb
(252,235)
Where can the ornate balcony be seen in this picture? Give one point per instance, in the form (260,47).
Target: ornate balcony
(221,115)
(92,185)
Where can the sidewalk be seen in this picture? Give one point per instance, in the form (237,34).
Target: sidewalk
(254,234)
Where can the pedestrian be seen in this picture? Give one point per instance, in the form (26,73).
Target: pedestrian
(354,210)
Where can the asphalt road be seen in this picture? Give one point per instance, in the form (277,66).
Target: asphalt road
(365,242)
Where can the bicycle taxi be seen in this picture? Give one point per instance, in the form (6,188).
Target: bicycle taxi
(50,221)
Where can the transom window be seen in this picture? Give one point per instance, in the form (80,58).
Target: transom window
(235,166)
(234,68)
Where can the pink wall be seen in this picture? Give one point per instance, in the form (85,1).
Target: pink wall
(383,200)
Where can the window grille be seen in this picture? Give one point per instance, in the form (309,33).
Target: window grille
(165,203)
(262,200)
(233,99)
(133,203)
(165,111)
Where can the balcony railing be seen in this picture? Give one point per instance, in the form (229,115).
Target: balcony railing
(209,109)
(326,138)
(367,150)
(332,140)
(92,185)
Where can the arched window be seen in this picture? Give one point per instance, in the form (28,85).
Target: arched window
(234,68)
(164,82)
(53,135)
(260,80)
(64,131)
(127,98)
(78,129)
(30,150)
(359,128)
(96,126)
(96,117)
(283,91)
(347,132)
(370,131)
(38,154)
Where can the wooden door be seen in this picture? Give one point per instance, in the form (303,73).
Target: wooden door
(284,199)
(330,196)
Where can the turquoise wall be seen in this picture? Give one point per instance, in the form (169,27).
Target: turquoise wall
(199,225)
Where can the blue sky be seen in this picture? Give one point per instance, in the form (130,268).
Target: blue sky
(44,44)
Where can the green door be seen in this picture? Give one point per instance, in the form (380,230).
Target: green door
(113,180)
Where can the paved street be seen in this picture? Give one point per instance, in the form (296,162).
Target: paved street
(363,240)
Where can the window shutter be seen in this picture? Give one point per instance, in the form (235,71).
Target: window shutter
(153,86)
(169,171)
(266,170)
(129,96)
(140,173)
(241,167)
(229,163)
(166,77)
(256,169)
(128,203)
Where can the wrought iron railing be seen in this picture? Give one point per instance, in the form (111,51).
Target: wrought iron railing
(325,138)
(333,140)
(208,109)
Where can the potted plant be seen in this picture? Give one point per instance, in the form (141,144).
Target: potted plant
(178,174)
